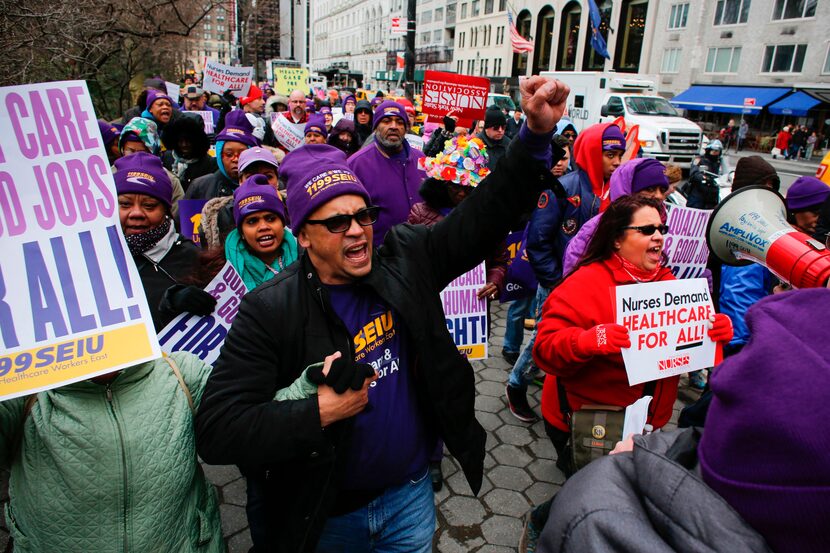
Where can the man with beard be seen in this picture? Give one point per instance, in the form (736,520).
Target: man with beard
(296,116)
(195,100)
(388,168)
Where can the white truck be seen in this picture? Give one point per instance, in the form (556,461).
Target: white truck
(598,97)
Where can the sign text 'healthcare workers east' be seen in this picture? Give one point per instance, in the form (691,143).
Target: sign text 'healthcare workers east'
(466,314)
(71,301)
(668,324)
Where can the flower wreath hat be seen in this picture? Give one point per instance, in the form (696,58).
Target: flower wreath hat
(462,162)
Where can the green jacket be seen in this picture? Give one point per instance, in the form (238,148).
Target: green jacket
(111,468)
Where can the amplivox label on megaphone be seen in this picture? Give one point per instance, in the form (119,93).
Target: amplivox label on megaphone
(750,225)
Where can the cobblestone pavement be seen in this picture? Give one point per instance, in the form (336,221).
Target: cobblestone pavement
(519,469)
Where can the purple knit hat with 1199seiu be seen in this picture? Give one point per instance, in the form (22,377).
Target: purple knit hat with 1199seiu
(143,173)
(315,174)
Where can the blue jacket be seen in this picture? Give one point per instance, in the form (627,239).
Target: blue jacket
(555,222)
(740,289)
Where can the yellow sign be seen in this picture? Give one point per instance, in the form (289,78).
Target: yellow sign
(288,79)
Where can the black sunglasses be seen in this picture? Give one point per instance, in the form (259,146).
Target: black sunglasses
(648,230)
(341,223)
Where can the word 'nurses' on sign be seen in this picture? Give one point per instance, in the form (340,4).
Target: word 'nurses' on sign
(461,95)
(668,326)
(685,245)
(466,314)
(204,336)
(71,301)
(219,77)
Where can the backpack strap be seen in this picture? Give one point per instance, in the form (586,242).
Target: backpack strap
(182,385)
(30,403)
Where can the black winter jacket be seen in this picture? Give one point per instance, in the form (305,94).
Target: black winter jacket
(211,186)
(288,323)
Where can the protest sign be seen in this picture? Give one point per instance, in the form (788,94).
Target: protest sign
(667,323)
(415,141)
(173,90)
(520,281)
(190,217)
(204,336)
(289,135)
(461,95)
(466,315)
(685,245)
(207,117)
(71,301)
(219,77)
(289,79)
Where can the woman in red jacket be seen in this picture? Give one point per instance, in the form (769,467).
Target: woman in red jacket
(578,342)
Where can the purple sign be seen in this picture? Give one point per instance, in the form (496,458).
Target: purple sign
(190,216)
(520,281)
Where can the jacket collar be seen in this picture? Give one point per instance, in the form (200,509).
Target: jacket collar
(125,377)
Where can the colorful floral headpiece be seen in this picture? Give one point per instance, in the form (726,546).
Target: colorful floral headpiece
(463,162)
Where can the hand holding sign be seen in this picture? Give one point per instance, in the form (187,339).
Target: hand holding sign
(544,102)
(604,339)
(720,328)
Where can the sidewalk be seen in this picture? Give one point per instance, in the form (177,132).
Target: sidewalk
(781,165)
(519,472)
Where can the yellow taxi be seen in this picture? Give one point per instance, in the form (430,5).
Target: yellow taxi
(823,171)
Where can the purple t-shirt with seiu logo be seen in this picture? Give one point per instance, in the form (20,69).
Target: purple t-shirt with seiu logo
(390,443)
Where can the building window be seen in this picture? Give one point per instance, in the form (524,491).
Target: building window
(794,9)
(463,11)
(671,59)
(425,37)
(436,35)
(475,8)
(678,15)
(439,14)
(499,35)
(460,67)
(426,17)
(826,69)
(520,60)
(784,58)
(544,40)
(592,61)
(502,5)
(474,37)
(632,25)
(471,67)
(481,67)
(569,37)
(488,6)
(731,12)
(461,40)
(723,60)
(497,67)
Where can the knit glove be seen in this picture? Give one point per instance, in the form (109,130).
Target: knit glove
(344,374)
(603,339)
(449,124)
(720,328)
(191,299)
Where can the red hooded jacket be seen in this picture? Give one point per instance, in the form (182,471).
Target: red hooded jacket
(588,156)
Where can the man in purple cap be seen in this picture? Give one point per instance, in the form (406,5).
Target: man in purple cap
(347,469)
(236,137)
(315,130)
(388,168)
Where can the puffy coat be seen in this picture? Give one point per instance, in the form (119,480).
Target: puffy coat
(211,186)
(104,468)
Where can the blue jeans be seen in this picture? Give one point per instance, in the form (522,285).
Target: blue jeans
(514,330)
(522,372)
(401,520)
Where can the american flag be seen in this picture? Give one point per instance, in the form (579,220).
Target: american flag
(520,44)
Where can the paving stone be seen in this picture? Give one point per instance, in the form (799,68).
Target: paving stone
(511,478)
(240,543)
(463,511)
(446,543)
(489,404)
(233,519)
(540,492)
(459,486)
(514,435)
(542,448)
(448,466)
(489,461)
(490,421)
(509,418)
(502,530)
(544,470)
(235,493)
(507,502)
(497,549)
(220,475)
(490,388)
(494,375)
(511,455)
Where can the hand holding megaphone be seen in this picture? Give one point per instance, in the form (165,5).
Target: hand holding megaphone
(750,225)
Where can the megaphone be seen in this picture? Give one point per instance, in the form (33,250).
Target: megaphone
(750,225)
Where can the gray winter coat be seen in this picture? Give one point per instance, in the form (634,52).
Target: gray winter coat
(649,500)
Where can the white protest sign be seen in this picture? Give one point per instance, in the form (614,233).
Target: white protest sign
(685,245)
(219,77)
(667,323)
(415,141)
(173,90)
(636,416)
(466,314)
(71,301)
(207,117)
(204,336)
(289,135)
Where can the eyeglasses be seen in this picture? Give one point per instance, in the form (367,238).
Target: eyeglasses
(499,127)
(341,223)
(648,230)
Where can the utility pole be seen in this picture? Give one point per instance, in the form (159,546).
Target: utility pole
(409,71)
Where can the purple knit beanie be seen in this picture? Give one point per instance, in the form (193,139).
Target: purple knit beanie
(765,449)
(647,174)
(613,138)
(316,123)
(315,174)
(238,129)
(256,194)
(389,108)
(143,173)
(806,193)
(153,95)
(109,132)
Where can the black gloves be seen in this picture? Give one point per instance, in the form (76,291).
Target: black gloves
(343,374)
(191,299)
(449,124)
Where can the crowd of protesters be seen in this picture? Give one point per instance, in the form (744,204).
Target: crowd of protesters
(338,386)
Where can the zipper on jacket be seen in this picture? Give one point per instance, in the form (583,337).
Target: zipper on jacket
(123,461)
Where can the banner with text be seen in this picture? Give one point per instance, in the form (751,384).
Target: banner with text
(204,336)
(466,314)
(71,301)
(450,94)
(667,323)
(685,245)
(190,217)
(290,135)
(289,79)
(520,281)
(207,118)
(219,77)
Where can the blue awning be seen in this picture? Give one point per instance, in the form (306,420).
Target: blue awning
(728,99)
(798,103)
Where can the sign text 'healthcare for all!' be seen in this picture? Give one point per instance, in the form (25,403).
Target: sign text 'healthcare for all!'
(71,302)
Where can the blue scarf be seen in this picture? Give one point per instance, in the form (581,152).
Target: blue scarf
(252,269)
